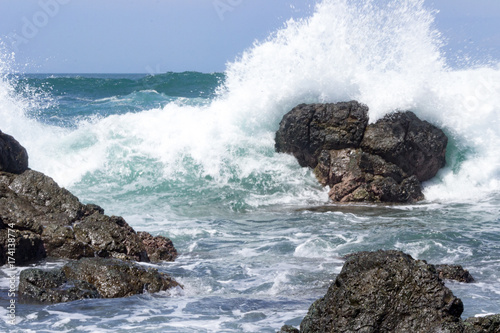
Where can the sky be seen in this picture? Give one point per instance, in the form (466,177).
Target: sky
(157,36)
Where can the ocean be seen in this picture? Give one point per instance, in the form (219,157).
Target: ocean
(190,156)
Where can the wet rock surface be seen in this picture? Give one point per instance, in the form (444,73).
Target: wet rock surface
(385,291)
(309,129)
(389,291)
(47,287)
(288,329)
(36,208)
(91,278)
(43,219)
(487,324)
(158,248)
(416,146)
(380,162)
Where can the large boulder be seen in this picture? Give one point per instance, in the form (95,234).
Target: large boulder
(91,278)
(13,156)
(385,291)
(381,162)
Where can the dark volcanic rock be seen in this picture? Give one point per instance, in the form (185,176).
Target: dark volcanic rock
(38,286)
(49,221)
(117,278)
(309,129)
(91,278)
(385,291)
(355,176)
(13,156)
(159,248)
(414,145)
(38,209)
(488,324)
(42,219)
(21,245)
(381,162)
(454,272)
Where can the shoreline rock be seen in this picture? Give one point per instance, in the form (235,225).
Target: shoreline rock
(360,162)
(39,219)
(48,220)
(389,291)
(454,272)
(385,291)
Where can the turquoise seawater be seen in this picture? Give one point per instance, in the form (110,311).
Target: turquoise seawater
(190,156)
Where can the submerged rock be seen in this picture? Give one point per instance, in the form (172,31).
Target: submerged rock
(381,162)
(91,278)
(385,291)
(13,156)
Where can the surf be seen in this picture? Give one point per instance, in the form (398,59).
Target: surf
(387,56)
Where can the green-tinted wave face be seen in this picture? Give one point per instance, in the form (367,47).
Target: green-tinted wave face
(64,99)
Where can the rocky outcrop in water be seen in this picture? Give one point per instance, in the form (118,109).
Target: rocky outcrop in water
(385,291)
(91,278)
(13,156)
(389,291)
(380,162)
(309,129)
(401,138)
(39,219)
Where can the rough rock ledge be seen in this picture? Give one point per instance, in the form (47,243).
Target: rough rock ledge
(389,291)
(39,219)
(48,220)
(380,162)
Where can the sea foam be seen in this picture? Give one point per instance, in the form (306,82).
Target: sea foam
(387,56)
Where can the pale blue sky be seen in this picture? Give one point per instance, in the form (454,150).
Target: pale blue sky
(141,36)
